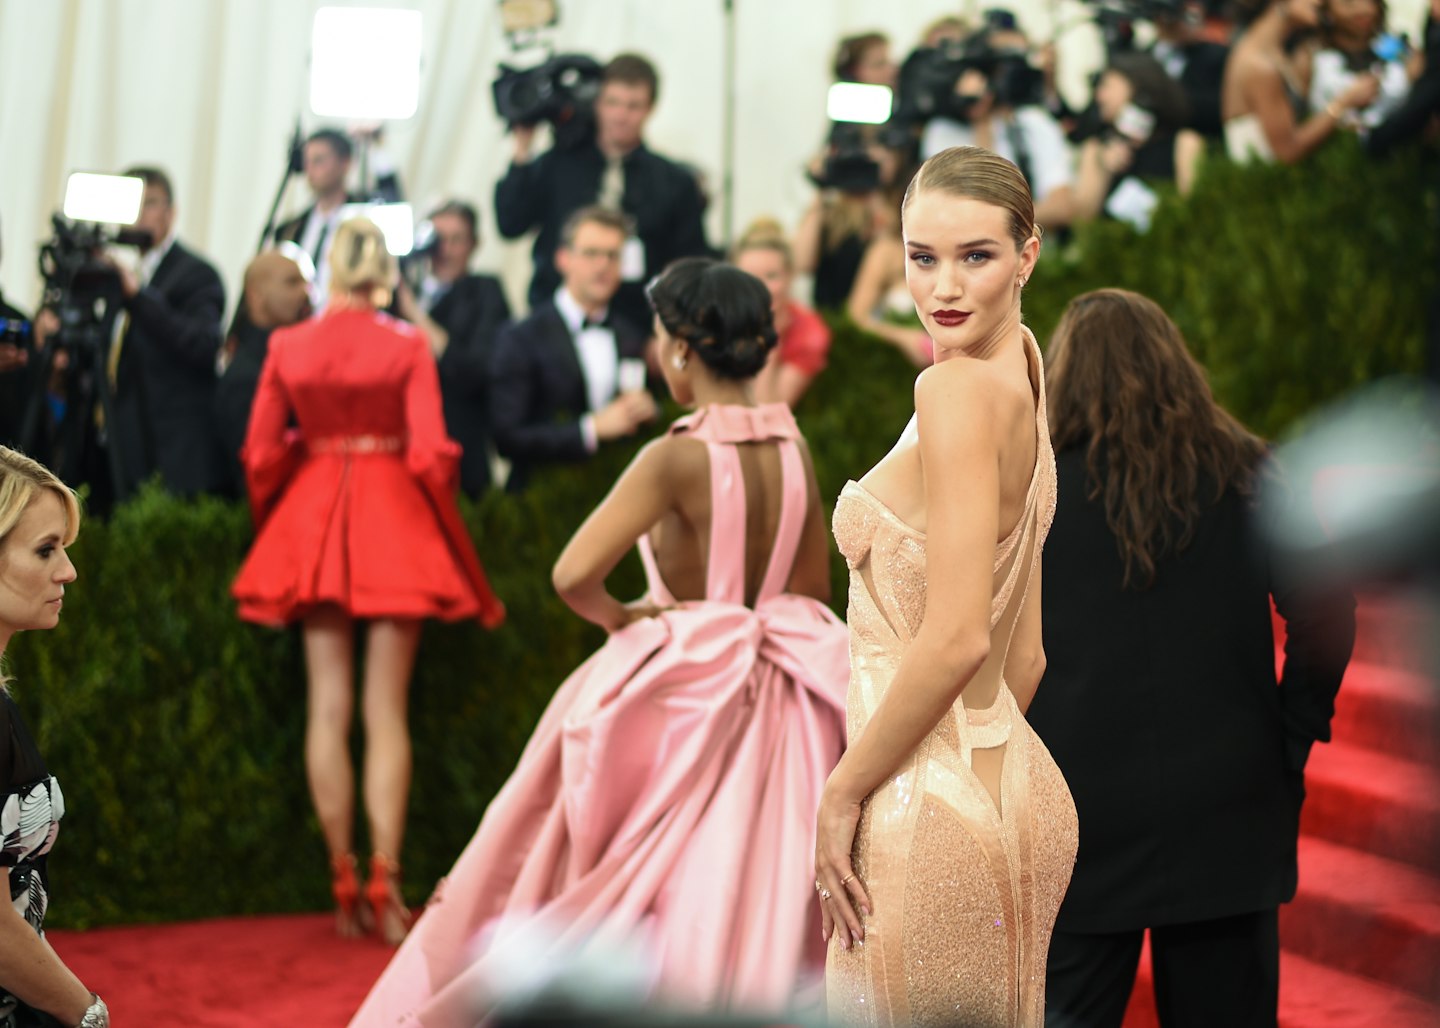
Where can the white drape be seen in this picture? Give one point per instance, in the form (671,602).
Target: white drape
(209,90)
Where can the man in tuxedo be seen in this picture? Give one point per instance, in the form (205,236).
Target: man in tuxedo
(571,376)
(163,358)
(609,166)
(276,294)
(460,312)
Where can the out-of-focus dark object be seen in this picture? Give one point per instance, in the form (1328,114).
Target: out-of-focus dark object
(1369,467)
(560,91)
(1116,18)
(929,76)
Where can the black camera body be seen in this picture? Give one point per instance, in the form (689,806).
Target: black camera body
(82,288)
(929,76)
(561,91)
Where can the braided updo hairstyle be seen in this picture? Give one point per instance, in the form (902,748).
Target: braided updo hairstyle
(721,311)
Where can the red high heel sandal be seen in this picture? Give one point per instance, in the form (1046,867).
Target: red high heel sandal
(350,920)
(392,916)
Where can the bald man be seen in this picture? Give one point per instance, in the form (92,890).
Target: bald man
(277,293)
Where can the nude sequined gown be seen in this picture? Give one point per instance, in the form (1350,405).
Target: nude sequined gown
(964,896)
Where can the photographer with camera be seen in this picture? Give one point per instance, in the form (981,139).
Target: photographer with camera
(608,165)
(848,211)
(1190,57)
(162,362)
(985,92)
(460,313)
(1142,111)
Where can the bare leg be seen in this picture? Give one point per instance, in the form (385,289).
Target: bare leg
(389,661)
(330,668)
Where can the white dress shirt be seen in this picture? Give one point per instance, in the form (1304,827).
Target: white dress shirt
(599,356)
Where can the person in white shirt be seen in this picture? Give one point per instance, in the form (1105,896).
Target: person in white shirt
(572,375)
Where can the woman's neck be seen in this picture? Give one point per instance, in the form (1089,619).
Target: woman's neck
(1271,28)
(724,391)
(1002,340)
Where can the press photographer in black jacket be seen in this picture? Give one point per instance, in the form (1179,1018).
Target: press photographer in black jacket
(612,167)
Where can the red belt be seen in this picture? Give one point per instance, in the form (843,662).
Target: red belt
(350,444)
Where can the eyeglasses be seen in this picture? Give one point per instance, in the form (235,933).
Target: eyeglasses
(593,254)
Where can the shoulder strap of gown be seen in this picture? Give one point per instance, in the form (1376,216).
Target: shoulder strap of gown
(725,576)
(793,498)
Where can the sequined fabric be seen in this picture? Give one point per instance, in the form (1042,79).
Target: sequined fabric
(964,894)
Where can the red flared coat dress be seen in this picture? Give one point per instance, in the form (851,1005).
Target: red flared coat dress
(353,479)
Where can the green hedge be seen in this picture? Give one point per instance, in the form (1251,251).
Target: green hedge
(177,730)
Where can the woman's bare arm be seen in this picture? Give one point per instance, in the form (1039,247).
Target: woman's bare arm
(810,575)
(883,263)
(33,972)
(641,497)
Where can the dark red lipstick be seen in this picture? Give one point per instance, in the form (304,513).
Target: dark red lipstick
(950,319)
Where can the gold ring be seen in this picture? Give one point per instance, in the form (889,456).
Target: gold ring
(848,879)
(824,894)
(818,886)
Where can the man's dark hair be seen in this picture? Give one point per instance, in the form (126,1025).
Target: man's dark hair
(152,177)
(338,142)
(632,70)
(462,210)
(594,215)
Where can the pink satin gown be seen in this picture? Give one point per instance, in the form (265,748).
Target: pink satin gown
(965,890)
(670,788)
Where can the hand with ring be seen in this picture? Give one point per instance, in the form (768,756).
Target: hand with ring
(841,892)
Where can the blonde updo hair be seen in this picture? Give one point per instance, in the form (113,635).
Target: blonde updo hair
(361,266)
(975,173)
(21,481)
(764,234)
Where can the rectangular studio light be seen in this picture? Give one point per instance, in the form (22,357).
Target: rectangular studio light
(858,103)
(365,63)
(109,199)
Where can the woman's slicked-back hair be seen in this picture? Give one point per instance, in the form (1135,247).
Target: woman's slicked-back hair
(1159,449)
(975,173)
(360,261)
(722,312)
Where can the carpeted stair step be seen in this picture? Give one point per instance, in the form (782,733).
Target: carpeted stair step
(1311,996)
(1396,630)
(1389,709)
(1363,914)
(1373,801)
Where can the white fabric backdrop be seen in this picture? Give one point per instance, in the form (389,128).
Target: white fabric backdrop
(209,90)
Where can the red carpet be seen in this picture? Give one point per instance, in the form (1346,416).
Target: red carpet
(1361,942)
(280,972)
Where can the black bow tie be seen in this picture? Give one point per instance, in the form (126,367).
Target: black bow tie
(592,323)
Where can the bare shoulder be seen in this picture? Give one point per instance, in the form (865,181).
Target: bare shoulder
(956,392)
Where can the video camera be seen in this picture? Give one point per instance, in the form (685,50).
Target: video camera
(1116,18)
(930,76)
(560,90)
(77,279)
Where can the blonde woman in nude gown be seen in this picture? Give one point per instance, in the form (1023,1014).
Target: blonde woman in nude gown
(946,835)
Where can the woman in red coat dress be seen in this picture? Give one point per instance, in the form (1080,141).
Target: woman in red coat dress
(357,520)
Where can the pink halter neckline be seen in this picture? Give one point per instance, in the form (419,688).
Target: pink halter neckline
(732,423)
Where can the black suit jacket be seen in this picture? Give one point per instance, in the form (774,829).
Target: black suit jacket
(472,312)
(235,394)
(1183,753)
(16,388)
(537,391)
(165,380)
(662,197)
